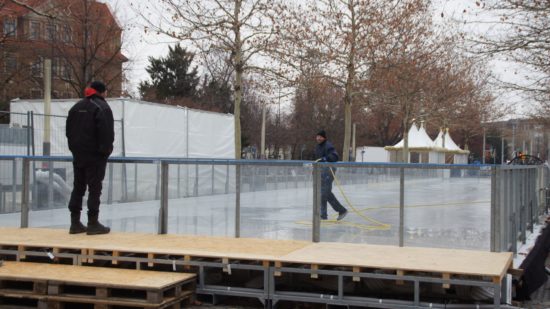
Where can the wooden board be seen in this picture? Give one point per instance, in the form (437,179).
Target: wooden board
(463,262)
(92,276)
(217,247)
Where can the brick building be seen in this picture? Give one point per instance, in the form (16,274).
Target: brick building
(81,37)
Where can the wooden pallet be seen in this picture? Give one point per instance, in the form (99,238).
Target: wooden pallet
(53,285)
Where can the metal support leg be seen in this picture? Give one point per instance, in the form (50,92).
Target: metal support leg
(417,293)
(496,300)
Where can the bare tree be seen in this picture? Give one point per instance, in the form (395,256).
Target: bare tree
(82,38)
(237,27)
(345,39)
(519,31)
(87,45)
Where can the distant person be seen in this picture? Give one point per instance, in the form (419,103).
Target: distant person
(90,134)
(325,152)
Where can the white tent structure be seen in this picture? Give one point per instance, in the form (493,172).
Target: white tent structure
(143,129)
(453,153)
(422,149)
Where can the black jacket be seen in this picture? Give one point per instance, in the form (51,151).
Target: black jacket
(325,152)
(90,129)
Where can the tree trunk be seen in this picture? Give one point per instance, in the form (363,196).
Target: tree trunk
(350,83)
(347,131)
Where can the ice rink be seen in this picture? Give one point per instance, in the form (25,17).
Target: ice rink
(440,211)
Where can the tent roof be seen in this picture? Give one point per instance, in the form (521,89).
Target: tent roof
(450,145)
(418,139)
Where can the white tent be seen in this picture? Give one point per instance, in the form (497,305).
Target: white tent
(421,147)
(454,154)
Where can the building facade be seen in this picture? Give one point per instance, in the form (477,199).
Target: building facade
(81,37)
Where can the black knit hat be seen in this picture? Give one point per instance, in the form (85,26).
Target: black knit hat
(322,133)
(98,86)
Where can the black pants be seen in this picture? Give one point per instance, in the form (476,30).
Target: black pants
(89,175)
(328,197)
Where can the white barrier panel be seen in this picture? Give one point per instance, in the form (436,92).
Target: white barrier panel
(150,129)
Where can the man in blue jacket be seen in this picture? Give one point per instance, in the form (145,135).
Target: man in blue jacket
(90,135)
(325,152)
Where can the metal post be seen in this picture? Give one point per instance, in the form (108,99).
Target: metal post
(237,200)
(502,150)
(316,226)
(158,186)
(110,190)
(14,184)
(513,139)
(32,134)
(25,193)
(47,106)
(29,132)
(50,185)
(533,198)
(525,204)
(124,171)
(135,181)
(515,214)
(163,211)
(196,189)
(401,206)
(483,151)
(179,181)
(495,210)
(262,138)
(354,130)
(213,172)
(227,179)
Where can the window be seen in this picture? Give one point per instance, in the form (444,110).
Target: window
(34,30)
(51,30)
(65,71)
(56,67)
(36,68)
(67,34)
(10,64)
(10,27)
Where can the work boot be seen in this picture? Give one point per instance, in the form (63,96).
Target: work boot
(76,226)
(96,228)
(342,215)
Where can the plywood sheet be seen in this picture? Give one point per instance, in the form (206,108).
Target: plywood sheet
(235,248)
(95,276)
(464,262)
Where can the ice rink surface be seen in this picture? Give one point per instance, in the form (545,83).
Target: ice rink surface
(444,212)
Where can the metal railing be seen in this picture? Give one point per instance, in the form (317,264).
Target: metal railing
(453,206)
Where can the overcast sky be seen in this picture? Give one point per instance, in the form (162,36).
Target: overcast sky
(139,46)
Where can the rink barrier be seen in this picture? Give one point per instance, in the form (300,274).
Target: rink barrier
(517,192)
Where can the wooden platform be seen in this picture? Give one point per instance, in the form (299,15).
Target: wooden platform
(55,285)
(454,262)
(273,262)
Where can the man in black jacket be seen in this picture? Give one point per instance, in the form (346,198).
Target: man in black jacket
(90,134)
(325,152)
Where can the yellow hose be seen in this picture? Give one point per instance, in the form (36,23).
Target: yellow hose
(377,224)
